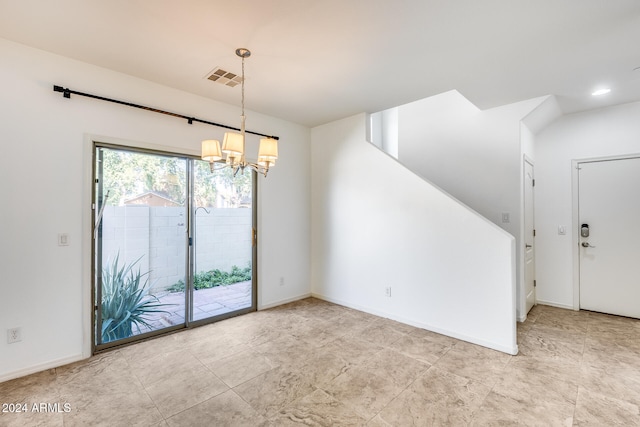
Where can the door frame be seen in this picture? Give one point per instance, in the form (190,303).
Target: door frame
(89,215)
(575,216)
(527,159)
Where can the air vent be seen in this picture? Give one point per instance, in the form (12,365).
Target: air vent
(224,77)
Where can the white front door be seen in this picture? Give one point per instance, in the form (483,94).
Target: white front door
(529,234)
(609,212)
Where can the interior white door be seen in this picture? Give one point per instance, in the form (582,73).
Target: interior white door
(609,204)
(529,234)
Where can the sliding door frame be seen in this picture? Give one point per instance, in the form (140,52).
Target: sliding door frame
(96,265)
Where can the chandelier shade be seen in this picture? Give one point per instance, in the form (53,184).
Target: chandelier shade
(268,152)
(211,150)
(233,144)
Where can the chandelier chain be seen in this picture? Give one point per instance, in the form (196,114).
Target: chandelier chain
(242,87)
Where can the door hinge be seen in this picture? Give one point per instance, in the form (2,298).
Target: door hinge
(95,308)
(533,183)
(534,232)
(534,284)
(190,241)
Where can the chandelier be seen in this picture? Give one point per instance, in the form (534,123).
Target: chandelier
(233,144)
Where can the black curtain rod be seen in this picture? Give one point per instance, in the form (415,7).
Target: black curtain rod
(67,94)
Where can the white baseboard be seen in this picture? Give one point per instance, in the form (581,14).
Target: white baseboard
(522,318)
(555,304)
(42,367)
(513,350)
(285,301)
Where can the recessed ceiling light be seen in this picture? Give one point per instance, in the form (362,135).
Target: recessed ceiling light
(601,92)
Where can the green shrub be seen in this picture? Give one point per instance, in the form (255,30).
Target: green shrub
(124,303)
(213,278)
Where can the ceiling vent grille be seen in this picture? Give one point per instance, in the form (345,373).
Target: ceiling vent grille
(224,77)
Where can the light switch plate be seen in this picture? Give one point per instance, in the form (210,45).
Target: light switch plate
(63,239)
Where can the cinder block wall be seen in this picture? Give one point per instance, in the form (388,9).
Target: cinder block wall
(157,235)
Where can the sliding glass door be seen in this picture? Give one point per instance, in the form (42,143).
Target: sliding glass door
(173,244)
(223,231)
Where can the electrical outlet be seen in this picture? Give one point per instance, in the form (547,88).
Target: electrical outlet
(14,335)
(387,291)
(282,281)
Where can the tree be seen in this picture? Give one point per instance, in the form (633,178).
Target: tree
(127,174)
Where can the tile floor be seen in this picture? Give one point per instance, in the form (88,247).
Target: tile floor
(315,363)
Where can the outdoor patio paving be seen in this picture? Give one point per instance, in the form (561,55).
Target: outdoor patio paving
(206,303)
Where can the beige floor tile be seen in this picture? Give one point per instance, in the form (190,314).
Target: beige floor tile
(524,384)
(270,392)
(401,369)
(541,345)
(436,398)
(132,407)
(474,362)
(106,392)
(30,417)
(164,366)
(352,349)
(363,391)
(434,337)
(348,323)
(226,409)
(421,348)
(565,320)
(381,333)
(256,333)
(317,409)
(241,367)
(286,351)
(146,349)
(184,388)
(624,385)
(29,384)
(594,409)
(211,349)
(34,389)
(323,367)
(318,337)
(498,410)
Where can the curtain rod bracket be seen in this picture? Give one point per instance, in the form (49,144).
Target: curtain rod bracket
(65,92)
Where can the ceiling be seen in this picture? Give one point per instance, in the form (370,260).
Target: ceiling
(315,61)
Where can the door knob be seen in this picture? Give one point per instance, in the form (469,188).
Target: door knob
(587,245)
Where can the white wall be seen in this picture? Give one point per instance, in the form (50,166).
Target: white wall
(376,224)
(598,133)
(474,155)
(44,190)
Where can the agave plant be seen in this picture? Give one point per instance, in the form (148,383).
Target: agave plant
(124,300)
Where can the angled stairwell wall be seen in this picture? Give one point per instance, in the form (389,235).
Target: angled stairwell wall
(474,155)
(375,224)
